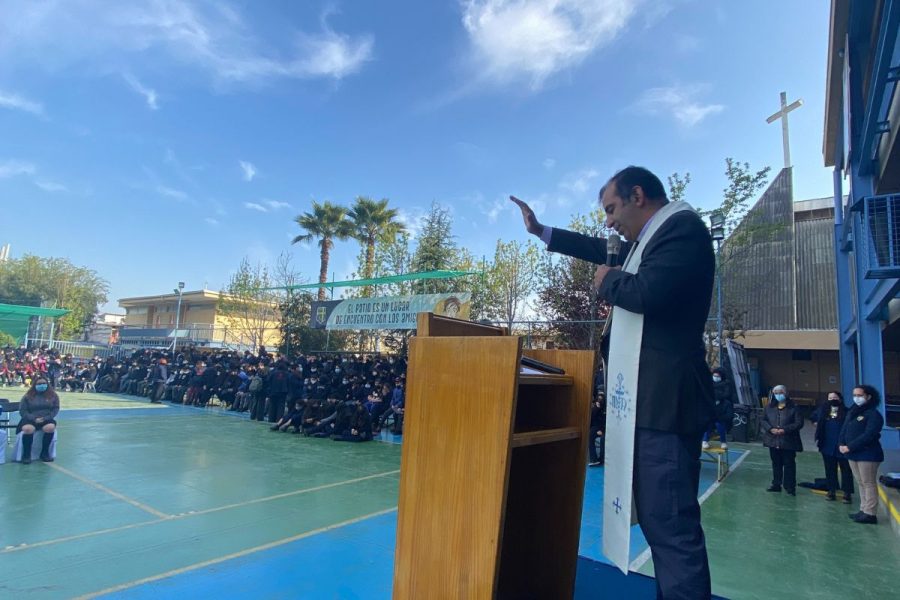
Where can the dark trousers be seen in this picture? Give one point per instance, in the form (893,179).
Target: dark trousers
(276,407)
(593,441)
(784,468)
(666,482)
(831,474)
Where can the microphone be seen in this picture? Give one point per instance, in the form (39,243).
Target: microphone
(613,245)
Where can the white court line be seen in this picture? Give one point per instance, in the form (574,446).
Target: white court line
(113,493)
(214,561)
(644,556)
(193,514)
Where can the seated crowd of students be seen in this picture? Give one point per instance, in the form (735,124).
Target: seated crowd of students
(342,396)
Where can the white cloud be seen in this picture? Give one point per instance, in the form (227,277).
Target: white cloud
(50,186)
(549,163)
(413,219)
(171,192)
(16,102)
(255,206)
(148,94)
(11,168)
(249,170)
(276,205)
(211,37)
(211,221)
(579,182)
(678,101)
(532,40)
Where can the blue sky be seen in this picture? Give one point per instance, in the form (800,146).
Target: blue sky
(159,141)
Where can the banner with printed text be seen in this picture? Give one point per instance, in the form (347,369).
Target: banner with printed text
(393,312)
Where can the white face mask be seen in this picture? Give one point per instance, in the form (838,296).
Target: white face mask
(716,378)
(859,400)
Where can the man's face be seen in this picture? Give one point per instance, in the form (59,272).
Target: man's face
(621,216)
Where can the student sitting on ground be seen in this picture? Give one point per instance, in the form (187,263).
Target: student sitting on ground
(358,427)
(294,418)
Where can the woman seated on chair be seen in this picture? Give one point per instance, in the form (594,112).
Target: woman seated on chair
(38,409)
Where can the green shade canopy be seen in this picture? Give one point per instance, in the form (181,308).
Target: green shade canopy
(380,280)
(14,318)
(14,310)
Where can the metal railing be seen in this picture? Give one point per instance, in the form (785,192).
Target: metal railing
(880,239)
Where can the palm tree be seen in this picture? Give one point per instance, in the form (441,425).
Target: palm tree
(373,221)
(327,222)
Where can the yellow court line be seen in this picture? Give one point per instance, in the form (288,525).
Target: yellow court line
(891,508)
(113,493)
(214,561)
(192,514)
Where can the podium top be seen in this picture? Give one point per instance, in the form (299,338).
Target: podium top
(432,325)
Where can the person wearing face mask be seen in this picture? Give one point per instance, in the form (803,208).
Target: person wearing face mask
(38,408)
(725,395)
(781,424)
(859,442)
(829,419)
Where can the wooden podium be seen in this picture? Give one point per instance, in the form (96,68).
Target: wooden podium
(493,466)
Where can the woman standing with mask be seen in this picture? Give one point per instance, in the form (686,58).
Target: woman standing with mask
(38,408)
(860,445)
(782,423)
(829,421)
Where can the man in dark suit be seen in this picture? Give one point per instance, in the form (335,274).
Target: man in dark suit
(672,289)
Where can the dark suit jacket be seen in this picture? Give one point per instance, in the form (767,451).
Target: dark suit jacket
(673,290)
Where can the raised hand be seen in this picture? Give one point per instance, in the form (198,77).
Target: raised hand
(531,223)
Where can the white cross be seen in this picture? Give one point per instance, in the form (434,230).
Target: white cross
(782,114)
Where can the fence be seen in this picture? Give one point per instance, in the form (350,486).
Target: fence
(82,350)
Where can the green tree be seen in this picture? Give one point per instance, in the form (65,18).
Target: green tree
(249,306)
(744,229)
(327,222)
(677,186)
(56,283)
(435,250)
(565,293)
(373,222)
(510,280)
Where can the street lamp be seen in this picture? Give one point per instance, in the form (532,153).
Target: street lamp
(717,231)
(180,291)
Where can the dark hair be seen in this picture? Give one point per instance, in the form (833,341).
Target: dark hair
(868,390)
(630,177)
(839,395)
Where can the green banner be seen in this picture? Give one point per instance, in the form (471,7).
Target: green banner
(395,312)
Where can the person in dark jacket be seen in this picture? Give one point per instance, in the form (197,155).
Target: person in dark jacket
(38,408)
(725,395)
(860,445)
(276,391)
(782,423)
(829,419)
(595,433)
(357,427)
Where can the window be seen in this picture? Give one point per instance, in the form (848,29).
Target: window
(137,310)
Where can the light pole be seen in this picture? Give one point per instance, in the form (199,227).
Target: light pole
(180,291)
(717,231)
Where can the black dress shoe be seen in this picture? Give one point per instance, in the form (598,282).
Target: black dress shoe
(847,499)
(792,492)
(866,519)
(773,488)
(831,497)
(26,459)
(854,516)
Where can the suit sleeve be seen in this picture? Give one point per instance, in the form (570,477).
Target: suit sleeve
(667,268)
(578,245)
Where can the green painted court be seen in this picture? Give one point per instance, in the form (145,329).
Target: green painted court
(169,501)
